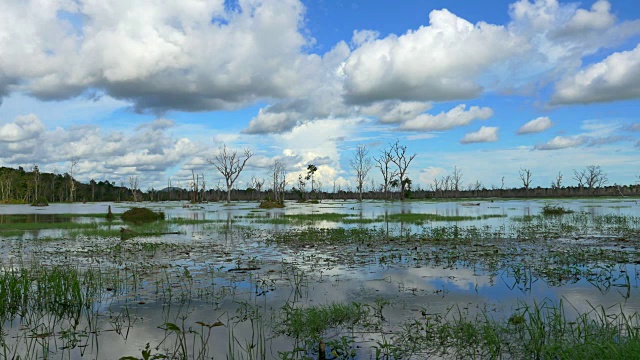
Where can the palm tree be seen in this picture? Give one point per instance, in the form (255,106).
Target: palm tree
(311,169)
(394,183)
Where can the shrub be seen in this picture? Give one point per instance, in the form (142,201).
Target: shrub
(138,215)
(42,201)
(270,204)
(555,210)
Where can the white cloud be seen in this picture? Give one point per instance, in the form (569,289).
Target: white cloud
(23,128)
(148,149)
(485,134)
(615,78)
(562,142)
(599,18)
(390,112)
(427,175)
(430,63)
(361,37)
(536,125)
(162,55)
(458,116)
(273,122)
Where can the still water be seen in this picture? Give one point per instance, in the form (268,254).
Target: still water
(223,268)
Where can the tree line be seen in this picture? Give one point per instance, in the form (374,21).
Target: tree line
(32,186)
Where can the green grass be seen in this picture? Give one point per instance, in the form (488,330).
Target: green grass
(421,218)
(540,331)
(22,227)
(314,321)
(414,218)
(555,210)
(60,290)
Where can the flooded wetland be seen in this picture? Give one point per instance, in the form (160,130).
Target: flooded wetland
(333,280)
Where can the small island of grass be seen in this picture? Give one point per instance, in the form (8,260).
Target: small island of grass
(138,215)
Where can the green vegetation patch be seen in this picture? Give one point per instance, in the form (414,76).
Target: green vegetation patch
(539,331)
(313,322)
(269,204)
(139,215)
(18,228)
(421,218)
(60,290)
(42,201)
(555,210)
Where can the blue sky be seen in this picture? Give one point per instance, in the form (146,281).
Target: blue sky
(152,89)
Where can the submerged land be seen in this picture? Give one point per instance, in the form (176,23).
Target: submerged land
(549,278)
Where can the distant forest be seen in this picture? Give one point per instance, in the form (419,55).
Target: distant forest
(19,186)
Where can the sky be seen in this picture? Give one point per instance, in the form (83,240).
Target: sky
(153,88)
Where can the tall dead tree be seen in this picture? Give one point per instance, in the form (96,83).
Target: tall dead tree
(194,186)
(72,184)
(402,161)
(133,185)
(557,183)
(278,173)
(456,179)
(230,165)
(36,180)
(595,177)
(383,163)
(525,177)
(257,184)
(361,164)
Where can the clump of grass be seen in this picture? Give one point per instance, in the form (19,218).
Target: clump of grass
(539,331)
(12,229)
(42,201)
(270,204)
(140,215)
(313,322)
(555,210)
(60,290)
(421,218)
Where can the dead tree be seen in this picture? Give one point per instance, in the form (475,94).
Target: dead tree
(383,162)
(72,184)
(361,164)
(257,184)
(229,165)
(525,177)
(402,161)
(133,185)
(456,179)
(595,177)
(278,175)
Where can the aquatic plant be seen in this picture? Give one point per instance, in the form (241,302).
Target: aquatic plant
(139,215)
(555,210)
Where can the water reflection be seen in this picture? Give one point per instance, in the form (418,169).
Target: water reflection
(222,270)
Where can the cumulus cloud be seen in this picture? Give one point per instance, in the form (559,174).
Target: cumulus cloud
(615,78)
(270,121)
(394,67)
(458,116)
(23,128)
(168,55)
(560,35)
(390,111)
(203,55)
(485,134)
(595,133)
(149,148)
(536,125)
(430,173)
(597,19)
(562,142)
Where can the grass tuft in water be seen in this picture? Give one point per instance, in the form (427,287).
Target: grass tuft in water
(555,210)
